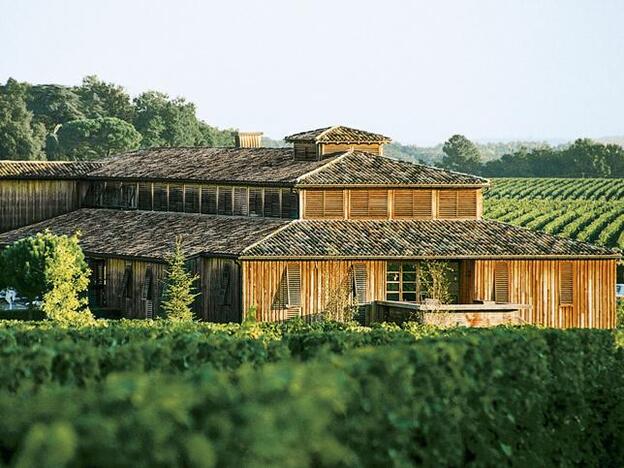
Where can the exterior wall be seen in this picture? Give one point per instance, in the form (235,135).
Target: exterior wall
(392,203)
(536,283)
(220,289)
(24,202)
(374,148)
(532,282)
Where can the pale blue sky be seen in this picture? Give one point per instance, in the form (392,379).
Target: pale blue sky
(417,71)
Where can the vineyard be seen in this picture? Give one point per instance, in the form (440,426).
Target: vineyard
(590,210)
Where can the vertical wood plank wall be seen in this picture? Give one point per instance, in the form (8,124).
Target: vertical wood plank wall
(261,280)
(328,148)
(532,282)
(220,289)
(23,202)
(536,283)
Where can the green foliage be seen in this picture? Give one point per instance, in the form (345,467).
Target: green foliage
(322,394)
(53,269)
(20,136)
(93,138)
(100,99)
(178,295)
(435,281)
(461,154)
(53,105)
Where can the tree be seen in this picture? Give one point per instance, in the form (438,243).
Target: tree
(53,269)
(93,138)
(20,137)
(178,291)
(52,105)
(101,99)
(461,154)
(166,122)
(212,136)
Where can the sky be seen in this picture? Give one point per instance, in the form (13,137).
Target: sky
(417,71)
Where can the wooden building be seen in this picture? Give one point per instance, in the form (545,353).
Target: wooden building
(292,231)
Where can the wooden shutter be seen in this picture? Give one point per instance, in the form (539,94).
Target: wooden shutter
(160,197)
(145,196)
(333,206)
(314,204)
(191,199)
(272,203)
(293,274)
(224,205)
(447,204)
(368,204)
(501,282)
(566,283)
(255,202)
(146,290)
(149,309)
(241,206)
(209,199)
(423,204)
(360,282)
(358,204)
(467,203)
(403,203)
(290,204)
(125,289)
(176,197)
(413,204)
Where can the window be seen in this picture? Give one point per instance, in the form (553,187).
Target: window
(176,197)
(413,204)
(145,196)
(112,194)
(209,200)
(241,207)
(457,204)
(272,203)
(369,204)
(290,204)
(402,281)
(255,202)
(360,283)
(97,284)
(125,290)
(191,199)
(501,282)
(147,294)
(160,197)
(566,284)
(128,195)
(224,205)
(288,294)
(324,204)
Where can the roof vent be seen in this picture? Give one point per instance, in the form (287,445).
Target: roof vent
(248,139)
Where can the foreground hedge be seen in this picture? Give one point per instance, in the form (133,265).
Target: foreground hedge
(522,397)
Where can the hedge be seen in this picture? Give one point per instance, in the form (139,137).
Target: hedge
(521,397)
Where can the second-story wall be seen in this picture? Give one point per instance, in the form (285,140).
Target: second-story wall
(394,203)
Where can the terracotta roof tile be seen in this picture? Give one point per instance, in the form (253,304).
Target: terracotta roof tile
(46,169)
(360,168)
(416,239)
(338,134)
(149,234)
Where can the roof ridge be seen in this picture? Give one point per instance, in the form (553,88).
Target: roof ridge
(269,235)
(324,166)
(326,131)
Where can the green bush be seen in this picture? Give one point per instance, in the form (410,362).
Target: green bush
(495,397)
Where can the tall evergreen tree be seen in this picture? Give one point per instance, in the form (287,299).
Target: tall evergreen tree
(178,291)
(461,154)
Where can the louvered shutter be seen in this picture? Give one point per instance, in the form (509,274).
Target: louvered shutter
(314,204)
(501,282)
(566,284)
(423,204)
(255,202)
(447,204)
(290,204)
(293,274)
(209,199)
(467,203)
(125,289)
(272,203)
(333,204)
(241,207)
(146,291)
(145,196)
(403,203)
(176,197)
(160,197)
(360,282)
(191,199)
(149,309)
(358,203)
(224,206)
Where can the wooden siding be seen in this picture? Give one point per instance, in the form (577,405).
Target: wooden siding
(328,148)
(531,282)
(537,284)
(23,202)
(220,289)
(375,203)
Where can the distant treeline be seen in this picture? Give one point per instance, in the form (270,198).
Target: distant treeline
(95,119)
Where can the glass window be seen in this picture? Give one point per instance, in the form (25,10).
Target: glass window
(272,203)
(290,204)
(402,281)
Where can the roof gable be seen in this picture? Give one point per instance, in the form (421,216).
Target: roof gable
(338,134)
(360,168)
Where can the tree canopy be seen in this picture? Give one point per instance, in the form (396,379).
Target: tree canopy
(461,154)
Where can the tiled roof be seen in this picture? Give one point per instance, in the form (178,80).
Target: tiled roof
(338,134)
(360,168)
(416,239)
(46,169)
(218,165)
(148,234)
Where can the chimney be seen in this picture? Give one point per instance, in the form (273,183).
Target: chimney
(248,139)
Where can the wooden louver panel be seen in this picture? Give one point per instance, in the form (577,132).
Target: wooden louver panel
(369,204)
(272,203)
(191,199)
(314,200)
(241,207)
(293,274)
(126,283)
(146,291)
(224,206)
(566,283)
(176,197)
(501,282)
(334,204)
(403,203)
(360,282)
(324,204)
(466,203)
(447,204)
(413,204)
(160,197)
(209,200)
(255,202)
(423,203)
(145,196)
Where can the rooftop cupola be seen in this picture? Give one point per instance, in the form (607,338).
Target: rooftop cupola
(248,139)
(315,144)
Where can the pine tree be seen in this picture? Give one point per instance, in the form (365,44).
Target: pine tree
(178,292)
